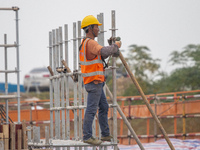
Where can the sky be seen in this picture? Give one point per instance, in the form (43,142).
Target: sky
(161,25)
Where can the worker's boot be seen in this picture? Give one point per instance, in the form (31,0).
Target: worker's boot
(93,141)
(108,138)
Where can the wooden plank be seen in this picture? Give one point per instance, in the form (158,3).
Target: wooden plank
(6,136)
(17,127)
(19,141)
(1,141)
(12,136)
(24,136)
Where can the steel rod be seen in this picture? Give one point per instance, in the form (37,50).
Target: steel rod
(114,82)
(62,83)
(145,100)
(18,73)
(75,83)
(125,120)
(6,76)
(51,83)
(79,85)
(67,85)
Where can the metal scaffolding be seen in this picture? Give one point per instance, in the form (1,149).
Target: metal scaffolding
(60,107)
(6,97)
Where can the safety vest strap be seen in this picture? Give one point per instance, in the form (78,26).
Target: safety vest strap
(93,73)
(91,62)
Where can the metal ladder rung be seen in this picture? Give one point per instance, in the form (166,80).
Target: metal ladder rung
(8,45)
(8,71)
(8,96)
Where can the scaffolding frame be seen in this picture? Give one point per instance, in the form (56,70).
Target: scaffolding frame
(59,94)
(6,97)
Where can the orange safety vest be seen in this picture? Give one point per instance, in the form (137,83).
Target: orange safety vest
(91,69)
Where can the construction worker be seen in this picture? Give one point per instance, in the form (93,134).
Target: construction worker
(92,57)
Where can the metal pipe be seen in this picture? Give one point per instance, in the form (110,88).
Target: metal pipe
(51,84)
(125,120)
(145,100)
(114,84)
(184,124)
(155,125)
(55,85)
(79,85)
(58,83)
(6,77)
(67,85)
(13,8)
(18,74)
(75,83)
(62,83)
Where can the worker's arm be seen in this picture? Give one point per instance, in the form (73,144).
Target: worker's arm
(95,49)
(109,50)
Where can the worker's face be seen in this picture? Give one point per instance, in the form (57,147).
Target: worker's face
(96,30)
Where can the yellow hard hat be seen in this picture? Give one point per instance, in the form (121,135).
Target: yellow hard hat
(89,20)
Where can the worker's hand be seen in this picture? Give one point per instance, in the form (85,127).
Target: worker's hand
(118,43)
(116,54)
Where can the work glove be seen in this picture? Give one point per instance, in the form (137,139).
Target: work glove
(116,54)
(116,40)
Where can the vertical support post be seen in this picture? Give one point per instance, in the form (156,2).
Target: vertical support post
(29,133)
(55,81)
(6,77)
(46,135)
(155,125)
(62,83)
(51,85)
(175,113)
(67,85)
(75,83)
(58,83)
(184,125)
(148,124)
(79,85)
(121,124)
(114,86)
(18,74)
(101,42)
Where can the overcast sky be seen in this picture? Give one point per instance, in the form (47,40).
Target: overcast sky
(162,26)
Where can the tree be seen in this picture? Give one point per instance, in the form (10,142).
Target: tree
(144,68)
(141,62)
(187,75)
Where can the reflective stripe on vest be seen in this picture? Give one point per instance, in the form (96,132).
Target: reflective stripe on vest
(93,73)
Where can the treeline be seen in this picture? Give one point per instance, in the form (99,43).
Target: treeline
(152,79)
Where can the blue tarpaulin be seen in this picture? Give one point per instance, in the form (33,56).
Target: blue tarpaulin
(11,88)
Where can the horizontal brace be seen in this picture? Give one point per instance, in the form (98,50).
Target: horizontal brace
(68,108)
(9,71)
(111,67)
(8,45)
(112,105)
(13,8)
(8,96)
(113,29)
(102,31)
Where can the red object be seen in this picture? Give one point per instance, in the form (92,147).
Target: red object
(46,75)
(27,76)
